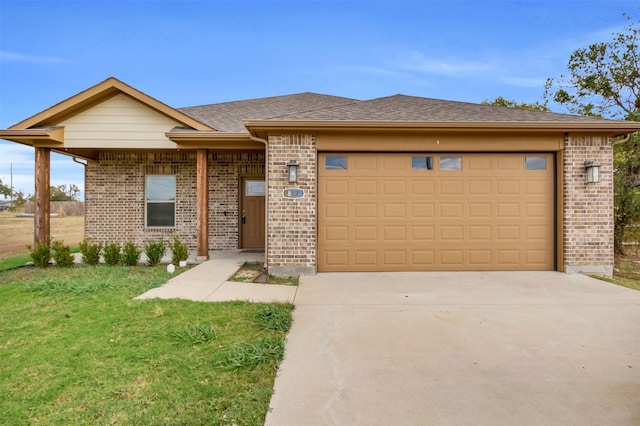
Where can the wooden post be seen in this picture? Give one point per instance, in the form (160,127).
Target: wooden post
(42,216)
(202,185)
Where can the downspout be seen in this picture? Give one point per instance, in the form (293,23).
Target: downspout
(266,181)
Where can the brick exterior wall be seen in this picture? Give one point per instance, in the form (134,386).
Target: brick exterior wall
(115,196)
(115,201)
(291,224)
(588,208)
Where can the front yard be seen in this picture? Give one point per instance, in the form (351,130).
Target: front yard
(75,348)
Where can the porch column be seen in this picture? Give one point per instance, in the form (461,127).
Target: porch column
(202,185)
(42,217)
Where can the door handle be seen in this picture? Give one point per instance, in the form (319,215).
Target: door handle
(244,217)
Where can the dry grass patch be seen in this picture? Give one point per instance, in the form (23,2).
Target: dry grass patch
(16,233)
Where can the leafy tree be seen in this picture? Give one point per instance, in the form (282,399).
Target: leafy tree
(20,199)
(62,193)
(604,80)
(5,190)
(500,101)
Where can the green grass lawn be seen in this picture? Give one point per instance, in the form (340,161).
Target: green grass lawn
(75,348)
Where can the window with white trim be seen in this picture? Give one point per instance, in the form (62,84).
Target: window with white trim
(160,201)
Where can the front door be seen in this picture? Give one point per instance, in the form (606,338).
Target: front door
(252,210)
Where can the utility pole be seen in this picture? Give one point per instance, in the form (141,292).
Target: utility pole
(11,183)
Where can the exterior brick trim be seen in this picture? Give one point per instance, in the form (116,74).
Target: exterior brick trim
(588,208)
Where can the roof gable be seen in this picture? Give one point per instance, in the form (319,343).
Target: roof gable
(97,94)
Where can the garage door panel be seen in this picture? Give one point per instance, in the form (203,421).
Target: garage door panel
(451,233)
(395,211)
(336,258)
(423,258)
(336,187)
(451,210)
(365,233)
(336,210)
(508,210)
(508,187)
(481,233)
(422,187)
(422,210)
(479,187)
(382,215)
(394,257)
(394,233)
(336,233)
(452,187)
(479,210)
(451,258)
(365,210)
(365,187)
(422,233)
(367,258)
(480,258)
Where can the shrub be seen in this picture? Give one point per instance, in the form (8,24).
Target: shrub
(112,254)
(91,252)
(179,251)
(62,254)
(40,255)
(130,254)
(154,252)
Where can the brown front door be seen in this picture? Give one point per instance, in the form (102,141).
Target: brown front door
(252,210)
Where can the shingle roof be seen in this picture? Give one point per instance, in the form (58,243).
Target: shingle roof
(228,116)
(412,108)
(308,106)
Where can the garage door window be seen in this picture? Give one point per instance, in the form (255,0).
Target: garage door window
(451,163)
(535,163)
(335,162)
(421,163)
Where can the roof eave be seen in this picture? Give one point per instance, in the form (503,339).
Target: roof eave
(40,136)
(190,139)
(613,127)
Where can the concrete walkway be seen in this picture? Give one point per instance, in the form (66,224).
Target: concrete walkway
(207,282)
(494,348)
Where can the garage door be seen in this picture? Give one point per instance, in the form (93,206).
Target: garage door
(422,212)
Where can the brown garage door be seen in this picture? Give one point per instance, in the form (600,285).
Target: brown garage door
(422,212)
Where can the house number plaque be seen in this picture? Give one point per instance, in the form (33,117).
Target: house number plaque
(293,193)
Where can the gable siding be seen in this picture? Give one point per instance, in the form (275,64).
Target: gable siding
(119,122)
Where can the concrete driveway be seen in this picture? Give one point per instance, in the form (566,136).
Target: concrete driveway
(492,348)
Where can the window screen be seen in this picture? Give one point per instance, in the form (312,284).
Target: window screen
(160,201)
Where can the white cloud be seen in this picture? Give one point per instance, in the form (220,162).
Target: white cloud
(30,59)
(447,67)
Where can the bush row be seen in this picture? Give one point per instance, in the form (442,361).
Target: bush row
(127,254)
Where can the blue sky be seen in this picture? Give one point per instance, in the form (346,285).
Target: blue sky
(187,53)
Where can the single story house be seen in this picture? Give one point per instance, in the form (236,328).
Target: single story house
(325,183)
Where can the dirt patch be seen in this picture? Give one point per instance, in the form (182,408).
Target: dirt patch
(251,272)
(16,233)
